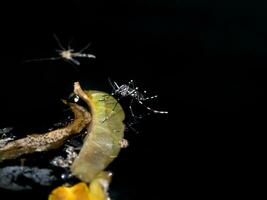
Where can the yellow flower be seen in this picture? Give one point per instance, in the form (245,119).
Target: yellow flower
(97,190)
(79,191)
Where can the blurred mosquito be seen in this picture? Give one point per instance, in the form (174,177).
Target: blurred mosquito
(67,54)
(129,90)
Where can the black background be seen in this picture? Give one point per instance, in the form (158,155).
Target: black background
(205,59)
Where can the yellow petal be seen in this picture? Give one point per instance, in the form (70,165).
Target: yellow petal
(97,190)
(76,192)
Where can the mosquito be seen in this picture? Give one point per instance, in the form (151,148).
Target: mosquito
(129,90)
(68,54)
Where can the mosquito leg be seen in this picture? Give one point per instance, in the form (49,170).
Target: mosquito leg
(86,47)
(131,84)
(58,42)
(149,98)
(152,110)
(73,64)
(130,126)
(69,48)
(42,59)
(134,93)
(132,112)
(76,62)
(83,55)
(113,109)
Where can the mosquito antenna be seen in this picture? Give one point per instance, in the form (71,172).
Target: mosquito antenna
(58,42)
(111,84)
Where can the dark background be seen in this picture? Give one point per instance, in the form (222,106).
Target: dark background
(205,59)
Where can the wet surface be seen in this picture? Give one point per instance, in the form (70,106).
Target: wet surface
(18,178)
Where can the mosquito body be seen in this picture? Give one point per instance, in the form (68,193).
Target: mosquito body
(129,90)
(68,54)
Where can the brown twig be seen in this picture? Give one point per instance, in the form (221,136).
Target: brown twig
(47,141)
